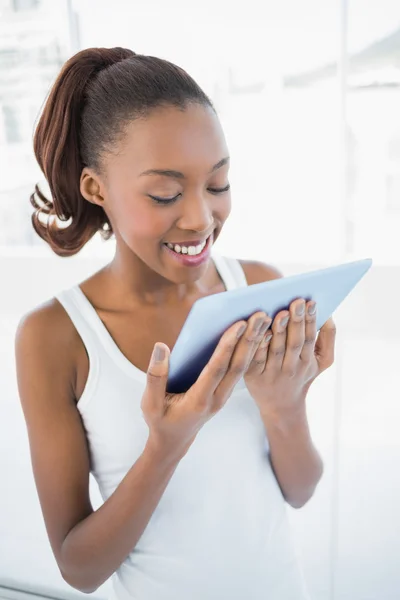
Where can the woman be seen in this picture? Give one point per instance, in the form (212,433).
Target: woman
(194,485)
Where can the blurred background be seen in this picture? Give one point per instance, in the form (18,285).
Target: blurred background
(308,92)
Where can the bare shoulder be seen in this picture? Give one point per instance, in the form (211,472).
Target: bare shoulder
(45,335)
(258,272)
(43,318)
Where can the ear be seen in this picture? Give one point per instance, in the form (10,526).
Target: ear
(91,187)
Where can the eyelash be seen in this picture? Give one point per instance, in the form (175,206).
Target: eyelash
(171,200)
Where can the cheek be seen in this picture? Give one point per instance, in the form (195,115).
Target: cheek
(228,206)
(223,209)
(141,220)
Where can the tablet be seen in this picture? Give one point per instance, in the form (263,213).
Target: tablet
(211,316)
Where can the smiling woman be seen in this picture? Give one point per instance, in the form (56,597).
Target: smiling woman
(132,147)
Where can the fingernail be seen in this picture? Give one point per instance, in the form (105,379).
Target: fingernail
(258,323)
(300,309)
(312,309)
(241,331)
(265,326)
(158,354)
(266,340)
(284,321)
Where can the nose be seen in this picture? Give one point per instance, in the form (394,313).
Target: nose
(196,214)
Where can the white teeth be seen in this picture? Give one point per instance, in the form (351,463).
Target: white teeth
(191,250)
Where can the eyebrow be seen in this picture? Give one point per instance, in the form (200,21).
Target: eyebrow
(178,174)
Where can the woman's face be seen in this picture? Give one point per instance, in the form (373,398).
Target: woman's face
(186,206)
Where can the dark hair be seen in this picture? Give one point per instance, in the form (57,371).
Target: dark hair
(97,91)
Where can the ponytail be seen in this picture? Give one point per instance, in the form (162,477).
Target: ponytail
(57,150)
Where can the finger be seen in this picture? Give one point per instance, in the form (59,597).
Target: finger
(258,324)
(157,376)
(310,336)
(259,361)
(277,345)
(244,353)
(295,334)
(325,345)
(218,365)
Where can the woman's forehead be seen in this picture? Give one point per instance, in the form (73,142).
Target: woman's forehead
(169,137)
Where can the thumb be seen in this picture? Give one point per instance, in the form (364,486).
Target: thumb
(157,373)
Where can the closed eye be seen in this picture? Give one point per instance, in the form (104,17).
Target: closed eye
(219,190)
(160,200)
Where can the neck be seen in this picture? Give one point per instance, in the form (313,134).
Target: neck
(135,282)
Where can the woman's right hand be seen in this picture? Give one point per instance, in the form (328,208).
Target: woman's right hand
(175,419)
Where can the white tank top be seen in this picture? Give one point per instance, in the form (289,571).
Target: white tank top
(220,530)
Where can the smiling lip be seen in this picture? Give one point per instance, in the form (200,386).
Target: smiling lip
(188,260)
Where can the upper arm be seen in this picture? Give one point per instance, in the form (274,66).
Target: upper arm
(258,272)
(59,453)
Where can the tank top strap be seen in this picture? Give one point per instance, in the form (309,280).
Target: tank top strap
(82,319)
(230,270)
(80,316)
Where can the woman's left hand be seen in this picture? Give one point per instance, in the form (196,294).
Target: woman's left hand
(284,366)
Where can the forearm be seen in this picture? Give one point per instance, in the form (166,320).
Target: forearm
(296,463)
(95,548)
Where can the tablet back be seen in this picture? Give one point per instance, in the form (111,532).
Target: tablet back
(211,316)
